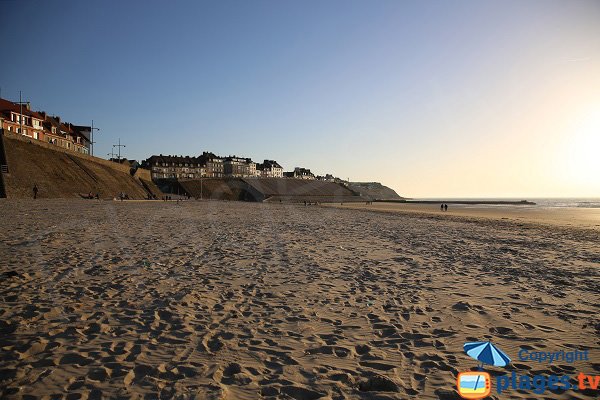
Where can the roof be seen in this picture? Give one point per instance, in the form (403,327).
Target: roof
(239,159)
(6,105)
(174,159)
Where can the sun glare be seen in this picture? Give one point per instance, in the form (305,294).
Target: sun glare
(581,149)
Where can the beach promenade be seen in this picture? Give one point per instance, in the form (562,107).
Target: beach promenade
(231,300)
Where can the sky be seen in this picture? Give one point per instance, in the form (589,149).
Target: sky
(432,98)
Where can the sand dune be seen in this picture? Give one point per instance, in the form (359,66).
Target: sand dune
(242,301)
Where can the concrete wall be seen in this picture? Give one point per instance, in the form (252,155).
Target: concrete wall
(2,190)
(2,164)
(60,174)
(26,139)
(219,189)
(268,189)
(145,177)
(144,174)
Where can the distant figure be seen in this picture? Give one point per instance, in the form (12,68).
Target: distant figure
(304,203)
(442,207)
(35,190)
(445,207)
(97,196)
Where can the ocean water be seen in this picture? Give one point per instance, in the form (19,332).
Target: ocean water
(572,202)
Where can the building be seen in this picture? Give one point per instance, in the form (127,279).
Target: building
(300,173)
(209,165)
(213,165)
(327,178)
(74,138)
(269,169)
(19,119)
(239,167)
(174,167)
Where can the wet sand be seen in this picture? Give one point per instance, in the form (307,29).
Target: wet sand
(243,301)
(573,217)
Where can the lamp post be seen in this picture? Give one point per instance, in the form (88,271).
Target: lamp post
(119,146)
(92,137)
(21,113)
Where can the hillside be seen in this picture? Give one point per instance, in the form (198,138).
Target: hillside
(374,190)
(62,174)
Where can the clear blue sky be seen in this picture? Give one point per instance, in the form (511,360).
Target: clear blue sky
(433,98)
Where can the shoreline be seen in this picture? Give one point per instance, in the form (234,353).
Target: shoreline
(471,202)
(584,218)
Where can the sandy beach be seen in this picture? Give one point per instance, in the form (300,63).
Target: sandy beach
(562,216)
(230,300)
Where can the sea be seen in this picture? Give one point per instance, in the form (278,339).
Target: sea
(566,202)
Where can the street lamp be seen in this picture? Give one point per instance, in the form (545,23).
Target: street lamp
(119,146)
(21,102)
(92,137)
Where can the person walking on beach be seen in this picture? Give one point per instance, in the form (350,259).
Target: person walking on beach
(445,207)
(442,207)
(35,190)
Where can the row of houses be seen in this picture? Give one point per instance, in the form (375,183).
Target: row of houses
(19,119)
(209,165)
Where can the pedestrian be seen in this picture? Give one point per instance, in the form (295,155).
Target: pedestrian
(445,207)
(442,207)
(35,190)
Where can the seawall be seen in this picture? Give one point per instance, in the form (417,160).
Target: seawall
(59,173)
(267,189)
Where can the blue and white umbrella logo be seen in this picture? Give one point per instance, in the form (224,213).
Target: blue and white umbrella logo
(487,353)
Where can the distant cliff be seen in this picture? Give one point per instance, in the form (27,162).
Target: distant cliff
(374,190)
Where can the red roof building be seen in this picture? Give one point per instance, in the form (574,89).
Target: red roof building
(18,119)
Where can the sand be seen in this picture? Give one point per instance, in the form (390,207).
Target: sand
(242,301)
(563,216)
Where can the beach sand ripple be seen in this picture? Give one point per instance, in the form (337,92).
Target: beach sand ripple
(241,301)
